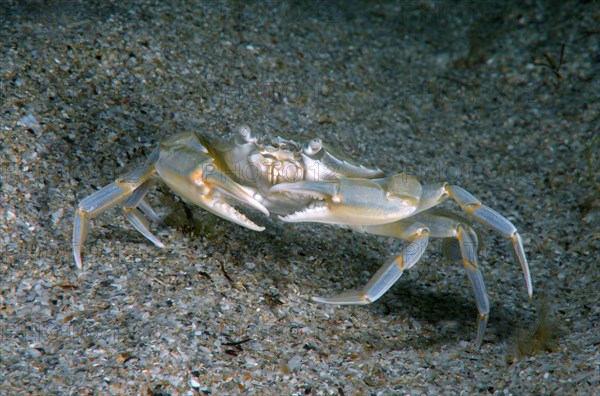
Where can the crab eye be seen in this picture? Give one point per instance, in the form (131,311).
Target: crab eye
(269,160)
(245,132)
(313,146)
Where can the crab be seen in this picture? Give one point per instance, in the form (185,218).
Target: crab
(306,182)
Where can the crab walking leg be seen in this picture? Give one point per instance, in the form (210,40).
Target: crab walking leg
(144,205)
(468,249)
(148,211)
(389,273)
(444,224)
(134,217)
(494,220)
(102,200)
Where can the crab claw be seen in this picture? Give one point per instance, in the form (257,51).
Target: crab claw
(325,164)
(354,201)
(203,184)
(224,185)
(218,192)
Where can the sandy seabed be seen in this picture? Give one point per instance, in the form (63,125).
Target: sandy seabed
(503,100)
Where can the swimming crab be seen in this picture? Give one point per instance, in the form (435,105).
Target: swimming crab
(306,182)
